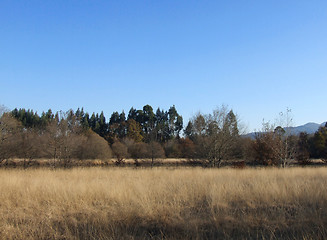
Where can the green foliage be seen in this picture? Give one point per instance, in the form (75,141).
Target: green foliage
(189,130)
(30,119)
(319,143)
(160,126)
(303,149)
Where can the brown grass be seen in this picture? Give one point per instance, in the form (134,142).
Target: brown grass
(195,203)
(50,163)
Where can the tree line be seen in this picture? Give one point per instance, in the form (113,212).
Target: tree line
(140,125)
(207,139)
(277,146)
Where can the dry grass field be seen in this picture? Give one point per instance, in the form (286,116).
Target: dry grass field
(160,203)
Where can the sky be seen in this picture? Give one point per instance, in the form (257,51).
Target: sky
(257,57)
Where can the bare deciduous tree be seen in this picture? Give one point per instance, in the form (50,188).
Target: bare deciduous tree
(63,138)
(223,133)
(276,145)
(215,135)
(264,146)
(120,152)
(287,145)
(3,109)
(172,149)
(155,150)
(29,145)
(138,150)
(8,132)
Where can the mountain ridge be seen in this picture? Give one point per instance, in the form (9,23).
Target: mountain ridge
(309,128)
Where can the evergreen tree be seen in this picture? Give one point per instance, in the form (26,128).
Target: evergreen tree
(103,128)
(122,126)
(92,121)
(320,143)
(122,117)
(49,116)
(231,123)
(161,125)
(97,127)
(189,130)
(172,114)
(148,120)
(178,125)
(114,118)
(132,114)
(303,148)
(85,121)
(78,113)
(134,131)
(28,118)
(116,127)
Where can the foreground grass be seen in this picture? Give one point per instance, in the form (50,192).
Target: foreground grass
(163,203)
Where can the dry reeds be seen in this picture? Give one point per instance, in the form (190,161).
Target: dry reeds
(163,203)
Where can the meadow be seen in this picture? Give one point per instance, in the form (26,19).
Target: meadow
(163,203)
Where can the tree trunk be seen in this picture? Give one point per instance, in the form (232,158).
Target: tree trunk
(219,162)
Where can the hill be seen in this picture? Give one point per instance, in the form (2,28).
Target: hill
(309,128)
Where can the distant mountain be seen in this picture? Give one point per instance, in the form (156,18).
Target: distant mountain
(309,128)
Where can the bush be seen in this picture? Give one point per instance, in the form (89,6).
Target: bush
(120,152)
(94,147)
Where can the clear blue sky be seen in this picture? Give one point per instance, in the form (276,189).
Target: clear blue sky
(257,57)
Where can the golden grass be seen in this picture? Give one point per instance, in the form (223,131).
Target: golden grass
(194,203)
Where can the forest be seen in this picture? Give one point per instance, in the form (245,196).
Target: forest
(210,140)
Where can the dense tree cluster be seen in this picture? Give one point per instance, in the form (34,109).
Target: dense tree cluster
(215,136)
(277,147)
(208,139)
(66,135)
(59,137)
(317,144)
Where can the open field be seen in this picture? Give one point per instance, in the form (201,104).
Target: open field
(181,203)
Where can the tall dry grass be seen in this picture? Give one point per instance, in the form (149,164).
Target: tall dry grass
(163,204)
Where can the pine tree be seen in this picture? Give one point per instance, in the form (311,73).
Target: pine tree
(132,114)
(85,121)
(189,130)
(103,125)
(92,121)
(114,118)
